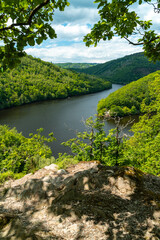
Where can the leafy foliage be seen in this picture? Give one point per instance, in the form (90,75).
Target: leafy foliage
(64,161)
(36,80)
(5,176)
(94,144)
(117,18)
(89,145)
(130,99)
(143,149)
(123,70)
(30,24)
(19,154)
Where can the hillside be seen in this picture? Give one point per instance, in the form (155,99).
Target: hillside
(128,99)
(123,70)
(35,80)
(85,201)
(76,65)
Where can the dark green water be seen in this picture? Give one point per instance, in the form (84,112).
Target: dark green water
(62,117)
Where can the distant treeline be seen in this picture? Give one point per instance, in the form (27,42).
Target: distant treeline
(76,65)
(123,70)
(35,80)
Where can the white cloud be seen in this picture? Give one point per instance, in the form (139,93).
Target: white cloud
(78,52)
(76,15)
(73,24)
(146,12)
(71,32)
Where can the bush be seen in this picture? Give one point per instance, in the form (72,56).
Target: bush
(20,154)
(64,161)
(116,111)
(10,175)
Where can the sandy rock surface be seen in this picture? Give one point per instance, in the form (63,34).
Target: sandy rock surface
(86,201)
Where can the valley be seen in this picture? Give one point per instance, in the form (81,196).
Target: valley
(79,120)
(54,105)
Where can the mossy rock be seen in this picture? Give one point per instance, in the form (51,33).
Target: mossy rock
(131,172)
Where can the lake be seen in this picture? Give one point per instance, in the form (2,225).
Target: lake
(63,117)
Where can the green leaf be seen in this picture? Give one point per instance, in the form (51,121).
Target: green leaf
(52,33)
(31,41)
(39,40)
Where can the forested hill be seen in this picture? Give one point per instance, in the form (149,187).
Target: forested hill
(123,70)
(76,65)
(36,80)
(130,99)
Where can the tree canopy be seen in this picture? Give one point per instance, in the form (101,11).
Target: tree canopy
(129,100)
(24,22)
(117,18)
(35,80)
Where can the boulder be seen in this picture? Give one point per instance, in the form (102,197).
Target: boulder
(86,201)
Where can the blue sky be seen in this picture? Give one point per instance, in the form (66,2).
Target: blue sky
(73,24)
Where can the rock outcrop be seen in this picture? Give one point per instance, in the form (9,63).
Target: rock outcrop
(86,201)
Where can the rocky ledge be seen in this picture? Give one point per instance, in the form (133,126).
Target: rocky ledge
(86,201)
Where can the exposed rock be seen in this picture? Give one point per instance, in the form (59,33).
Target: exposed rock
(86,201)
(61,171)
(107,114)
(52,167)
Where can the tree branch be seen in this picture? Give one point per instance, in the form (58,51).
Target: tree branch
(1,16)
(130,42)
(141,43)
(156,9)
(36,9)
(29,22)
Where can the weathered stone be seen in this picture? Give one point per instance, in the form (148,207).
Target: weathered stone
(52,167)
(87,201)
(61,171)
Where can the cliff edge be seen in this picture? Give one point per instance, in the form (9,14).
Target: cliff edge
(86,201)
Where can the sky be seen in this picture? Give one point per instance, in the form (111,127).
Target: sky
(73,24)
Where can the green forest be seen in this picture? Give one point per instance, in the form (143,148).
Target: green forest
(75,65)
(141,149)
(130,99)
(20,155)
(35,80)
(123,70)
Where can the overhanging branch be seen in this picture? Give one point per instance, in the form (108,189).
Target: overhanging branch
(29,22)
(141,43)
(135,44)
(155,6)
